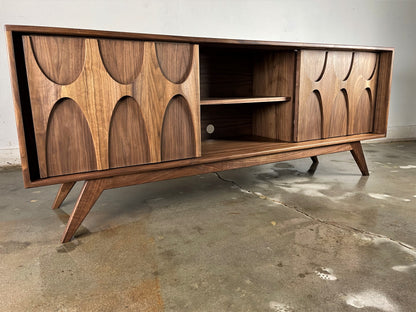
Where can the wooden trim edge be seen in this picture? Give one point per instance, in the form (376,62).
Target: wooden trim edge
(176,38)
(303,146)
(167,174)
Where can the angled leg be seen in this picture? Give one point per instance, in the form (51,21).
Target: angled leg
(358,154)
(314,165)
(315,159)
(62,194)
(90,192)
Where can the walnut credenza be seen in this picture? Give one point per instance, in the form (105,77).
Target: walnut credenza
(117,109)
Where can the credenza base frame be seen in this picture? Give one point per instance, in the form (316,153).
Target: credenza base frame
(93,188)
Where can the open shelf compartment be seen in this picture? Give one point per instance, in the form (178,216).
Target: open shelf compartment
(247,93)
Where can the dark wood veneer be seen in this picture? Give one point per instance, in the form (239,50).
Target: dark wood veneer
(117,109)
(22,29)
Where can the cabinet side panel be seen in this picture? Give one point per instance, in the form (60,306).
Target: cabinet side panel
(383,92)
(274,75)
(23,112)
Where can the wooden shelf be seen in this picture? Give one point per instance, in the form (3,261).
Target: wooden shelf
(215,150)
(251,146)
(244,100)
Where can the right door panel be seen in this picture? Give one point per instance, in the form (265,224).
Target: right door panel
(336,93)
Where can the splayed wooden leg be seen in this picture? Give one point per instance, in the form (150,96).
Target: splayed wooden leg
(314,165)
(358,154)
(315,159)
(62,194)
(90,192)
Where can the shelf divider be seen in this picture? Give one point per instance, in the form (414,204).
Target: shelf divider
(244,100)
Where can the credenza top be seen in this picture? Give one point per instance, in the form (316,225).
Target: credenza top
(41,30)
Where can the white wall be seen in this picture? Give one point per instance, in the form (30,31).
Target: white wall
(363,22)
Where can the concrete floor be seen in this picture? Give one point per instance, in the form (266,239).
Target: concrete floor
(267,238)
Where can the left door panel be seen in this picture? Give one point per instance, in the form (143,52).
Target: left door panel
(99,104)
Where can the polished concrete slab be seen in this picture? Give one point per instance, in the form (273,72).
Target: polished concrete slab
(268,238)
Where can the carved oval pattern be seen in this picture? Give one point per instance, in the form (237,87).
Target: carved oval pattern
(368,63)
(69,144)
(310,121)
(342,64)
(128,142)
(339,116)
(175,60)
(178,137)
(315,64)
(123,59)
(61,59)
(363,121)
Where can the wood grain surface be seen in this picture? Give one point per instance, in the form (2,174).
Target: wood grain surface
(194,40)
(90,192)
(178,135)
(22,111)
(358,154)
(123,59)
(274,75)
(118,109)
(134,66)
(62,194)
(212,151)
(228,121)
(98,89)
(128,142)
(383,92)
(69,144)
(336,87)
(226,72)
(170,55)
(53,55)
(244,100)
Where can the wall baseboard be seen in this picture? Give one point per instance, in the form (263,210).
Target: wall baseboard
(11,156)
(398,133)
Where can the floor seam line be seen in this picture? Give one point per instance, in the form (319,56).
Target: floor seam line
(330,223)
